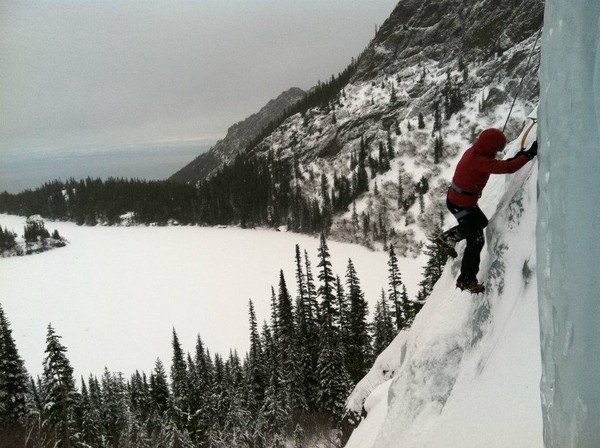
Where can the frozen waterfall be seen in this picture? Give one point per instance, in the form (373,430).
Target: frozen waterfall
(568,229)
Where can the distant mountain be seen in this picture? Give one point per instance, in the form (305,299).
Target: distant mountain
(238,136)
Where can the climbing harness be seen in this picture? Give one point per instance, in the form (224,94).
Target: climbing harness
(522,78)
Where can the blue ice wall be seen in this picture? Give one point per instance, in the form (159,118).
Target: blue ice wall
(568,230)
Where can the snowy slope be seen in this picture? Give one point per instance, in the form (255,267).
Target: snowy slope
(467,373)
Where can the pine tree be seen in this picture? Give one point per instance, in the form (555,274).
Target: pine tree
(400,191)
(59,395)
(421,122)
(395,282)
(256,379)
(179,383)
(334,382)
(358,351)
(326,291)
(89,419)
(159,390)
(311,322)
(13,378)
(437,118)
(432,271)
(291,371)
(274,411)
(383,326)
(114,408)
(362,178)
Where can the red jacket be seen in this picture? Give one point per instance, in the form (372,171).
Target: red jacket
(476,165)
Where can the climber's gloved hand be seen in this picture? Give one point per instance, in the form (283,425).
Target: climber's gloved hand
(532,151)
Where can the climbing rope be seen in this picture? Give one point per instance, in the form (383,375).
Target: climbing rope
(522,78)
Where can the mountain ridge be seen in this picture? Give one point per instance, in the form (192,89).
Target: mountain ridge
(237,137)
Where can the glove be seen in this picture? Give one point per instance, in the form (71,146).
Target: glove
(532,151)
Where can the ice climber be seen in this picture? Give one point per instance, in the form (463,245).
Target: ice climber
(471,175)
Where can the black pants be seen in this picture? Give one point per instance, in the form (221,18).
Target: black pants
(471,222)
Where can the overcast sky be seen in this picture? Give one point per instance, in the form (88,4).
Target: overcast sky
(77,74)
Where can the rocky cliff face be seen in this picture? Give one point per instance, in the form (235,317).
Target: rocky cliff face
(436,74)
(238,136)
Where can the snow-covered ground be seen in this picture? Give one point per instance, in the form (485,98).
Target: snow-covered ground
(115,293)
(467,373)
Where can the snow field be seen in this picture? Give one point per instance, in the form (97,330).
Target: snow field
(115,293)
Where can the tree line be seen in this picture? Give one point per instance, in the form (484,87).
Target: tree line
(251,191)
(289,388)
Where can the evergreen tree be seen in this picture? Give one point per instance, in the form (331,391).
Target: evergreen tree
(89,420)
(394,284)
(384,163)
(114,412)
(179,383)
(326,291)
(7,239)
(334,382)
(432,271)
(358,349)
(159,390)
(59,394)
(274,411)
(343,312)
(362,178)
(400,202)
(438,149)
(310,334)
(13,378)
(421,122)
(437,118)
(256,374)
(288,351)
(383,326)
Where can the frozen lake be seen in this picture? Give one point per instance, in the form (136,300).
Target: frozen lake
(30,169)
(115,293)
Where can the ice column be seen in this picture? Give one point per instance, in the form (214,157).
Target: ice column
(568,230)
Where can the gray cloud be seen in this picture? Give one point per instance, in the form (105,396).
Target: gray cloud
(76,73)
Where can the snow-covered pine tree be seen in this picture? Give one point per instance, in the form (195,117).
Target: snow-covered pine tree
(334,382)
(432,271)
(288,352)
(114,410)
(203,384)
(159,390)
(89,421)
(326,291)
(139,406)
(180,392)
(14,380)
(362,177)
(358,347)
(59,395)
(274,317)
(274,412)
(255,370)
(220,399)
(394,285)
(383,326)
(308,331)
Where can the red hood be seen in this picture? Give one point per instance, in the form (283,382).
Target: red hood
(489,142)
